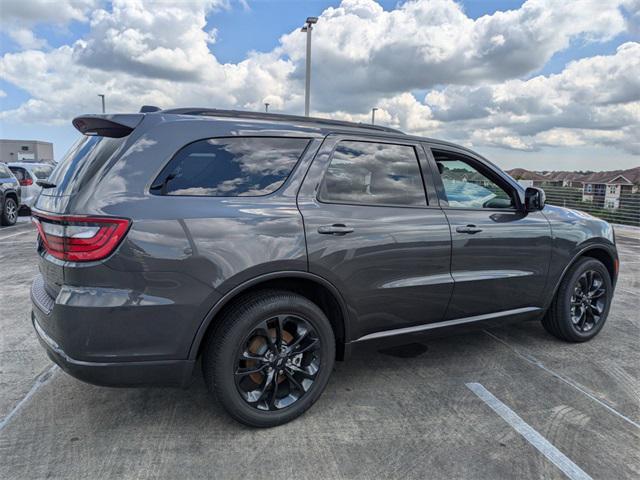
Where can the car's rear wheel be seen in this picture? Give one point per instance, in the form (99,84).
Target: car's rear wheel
(581,305)
(9,212)
(270,358)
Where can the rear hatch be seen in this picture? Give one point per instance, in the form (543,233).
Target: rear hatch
(60,228)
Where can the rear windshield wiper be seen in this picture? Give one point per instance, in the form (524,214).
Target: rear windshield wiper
(45,184)
(162,185)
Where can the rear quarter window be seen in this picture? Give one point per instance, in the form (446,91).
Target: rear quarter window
(19,172)
(230,167)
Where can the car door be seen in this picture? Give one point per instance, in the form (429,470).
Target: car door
(500,253)
(373,232)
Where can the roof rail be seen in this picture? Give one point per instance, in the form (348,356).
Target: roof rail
(214,112)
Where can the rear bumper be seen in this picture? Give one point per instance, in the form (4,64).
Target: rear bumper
(86,337)
(117,374)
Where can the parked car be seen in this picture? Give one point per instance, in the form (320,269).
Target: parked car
(268,246)
(9,196)
(28,174)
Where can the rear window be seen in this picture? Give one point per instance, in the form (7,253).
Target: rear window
(42,172)
(230,167)
(82,162)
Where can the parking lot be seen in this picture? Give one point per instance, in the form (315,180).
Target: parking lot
(411,412)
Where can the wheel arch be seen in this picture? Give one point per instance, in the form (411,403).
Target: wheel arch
(315,288)
(601,252)
(11,194)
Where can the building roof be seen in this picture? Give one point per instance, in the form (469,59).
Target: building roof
(524,174)
(630,176)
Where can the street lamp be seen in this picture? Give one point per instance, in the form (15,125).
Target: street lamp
(266,107)
(101,95)
(373,115)
(307,86)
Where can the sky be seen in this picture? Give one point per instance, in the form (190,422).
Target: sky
(539,84)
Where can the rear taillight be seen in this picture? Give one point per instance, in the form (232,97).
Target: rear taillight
(26,182)
(80,238)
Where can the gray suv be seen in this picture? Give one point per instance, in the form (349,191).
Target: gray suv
(268,246)
(9,196)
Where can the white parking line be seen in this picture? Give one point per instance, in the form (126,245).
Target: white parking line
(16,234)
(534,361)
(556,457)
(41,381)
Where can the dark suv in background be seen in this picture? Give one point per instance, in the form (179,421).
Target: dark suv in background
(9,196)
(268,246)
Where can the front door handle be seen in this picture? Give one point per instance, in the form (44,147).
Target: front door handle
(335,229)
(468,229)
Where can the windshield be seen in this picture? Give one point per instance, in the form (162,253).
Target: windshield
(82,161)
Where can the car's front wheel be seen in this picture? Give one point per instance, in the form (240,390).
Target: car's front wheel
(270,358)
(9,214)
(581,305)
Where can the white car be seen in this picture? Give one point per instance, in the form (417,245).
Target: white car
(28,174)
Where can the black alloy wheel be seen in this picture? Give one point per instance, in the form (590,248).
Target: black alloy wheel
(278,362)
(588,301)
(581,304)
(269,358)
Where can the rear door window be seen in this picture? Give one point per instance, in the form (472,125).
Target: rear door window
(230,167)
(370,173)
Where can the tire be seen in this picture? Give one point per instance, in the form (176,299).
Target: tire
(560,320)
(238,337)
(9,214)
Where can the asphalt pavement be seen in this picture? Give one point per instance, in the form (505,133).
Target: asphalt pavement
(510,402)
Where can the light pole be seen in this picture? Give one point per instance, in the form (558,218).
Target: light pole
(266,108)
(101,95)
(307,86)
(373,115)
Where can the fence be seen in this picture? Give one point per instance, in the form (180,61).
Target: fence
(626,213)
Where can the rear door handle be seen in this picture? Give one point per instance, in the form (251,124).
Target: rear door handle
(335,229)
(468,229)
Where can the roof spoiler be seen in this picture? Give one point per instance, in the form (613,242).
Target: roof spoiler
(115,126)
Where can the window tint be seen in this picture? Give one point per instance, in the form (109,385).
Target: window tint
(230,167)
(5,172)
(82,162)
(468,188)
(19,173)
(373,174)
(42,172)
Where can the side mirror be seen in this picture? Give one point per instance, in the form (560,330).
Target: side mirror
(534,199)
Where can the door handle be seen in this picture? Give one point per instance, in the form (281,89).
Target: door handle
(468,229)
(335,229)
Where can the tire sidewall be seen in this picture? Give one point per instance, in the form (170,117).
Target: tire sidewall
(566,293)
(5,217)
(225,358)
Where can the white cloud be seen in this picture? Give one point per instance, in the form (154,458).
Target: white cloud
(140,52)
(38,11)
(593,100)
(25,38)
(422,44)
(147,39)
